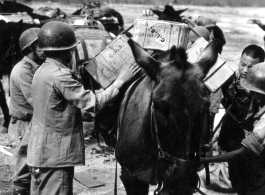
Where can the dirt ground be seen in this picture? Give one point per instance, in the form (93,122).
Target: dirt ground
(101,166)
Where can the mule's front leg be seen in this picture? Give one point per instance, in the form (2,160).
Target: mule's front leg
(132,185)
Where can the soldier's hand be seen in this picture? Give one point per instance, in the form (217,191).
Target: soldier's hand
(126,74)
(87,116)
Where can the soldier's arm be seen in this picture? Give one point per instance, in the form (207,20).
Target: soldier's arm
(25,82)
(224,157)
(256,140)
(86,100)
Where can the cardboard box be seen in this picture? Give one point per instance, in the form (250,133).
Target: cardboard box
(105,67)
(219,72)
(159,34)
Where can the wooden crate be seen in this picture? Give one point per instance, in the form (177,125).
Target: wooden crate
(220,71)
(105,67)
(159,34)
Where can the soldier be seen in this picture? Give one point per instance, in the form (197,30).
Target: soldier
(215,98)
(56,141)
(251,150)
(21,103)
(201,31)
(216,32)
(238,104)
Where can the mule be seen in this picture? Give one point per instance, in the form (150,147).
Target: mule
(9,44)
(13,7)
(161,120)
(169,14)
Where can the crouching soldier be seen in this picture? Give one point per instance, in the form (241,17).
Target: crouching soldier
(252,146)
(56,141)
(21,104)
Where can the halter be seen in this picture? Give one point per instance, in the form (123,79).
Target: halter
(162,155)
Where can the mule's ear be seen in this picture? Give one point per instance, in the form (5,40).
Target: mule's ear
(20,22)
(209,56)
(156,12)
(167,56)
(178,12)
(147,62)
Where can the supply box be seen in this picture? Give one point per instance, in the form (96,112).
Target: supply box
(105,67)
(159,34)
(220,71)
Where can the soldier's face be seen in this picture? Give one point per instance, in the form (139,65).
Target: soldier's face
(246,62)
(39,55)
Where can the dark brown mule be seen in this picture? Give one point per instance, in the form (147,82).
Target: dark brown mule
(175,90)
(169,14)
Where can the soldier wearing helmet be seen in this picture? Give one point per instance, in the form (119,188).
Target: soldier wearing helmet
(21,107)
(56,141)
(252,146)
(215,31)
(200,31)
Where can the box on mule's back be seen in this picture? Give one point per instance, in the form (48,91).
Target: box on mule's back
(105,67)
(159,34)
(150,34)
(220,71)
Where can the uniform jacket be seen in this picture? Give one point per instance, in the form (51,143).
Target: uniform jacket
(243,105)
(255,157)
(20,89)
(56,134)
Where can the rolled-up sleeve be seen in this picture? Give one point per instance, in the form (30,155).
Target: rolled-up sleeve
(256,140)
(74,92)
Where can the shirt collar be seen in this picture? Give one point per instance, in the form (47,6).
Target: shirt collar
(261,112)
(33,64)
(50,60)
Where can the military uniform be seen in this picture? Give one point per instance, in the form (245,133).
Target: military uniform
(56,141)
(255,157)
(232,129)
(21,112)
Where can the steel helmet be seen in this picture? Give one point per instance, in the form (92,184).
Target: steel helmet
(28,37)
(55,36)
(200,30)
(255,79)
(203,21)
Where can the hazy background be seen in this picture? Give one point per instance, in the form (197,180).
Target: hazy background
(233,3)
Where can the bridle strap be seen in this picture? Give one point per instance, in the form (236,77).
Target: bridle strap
(162,154)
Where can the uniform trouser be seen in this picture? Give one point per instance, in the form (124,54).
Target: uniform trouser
(16,131)
(5,110)
(52,181)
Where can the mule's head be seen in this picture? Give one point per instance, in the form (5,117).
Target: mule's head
(180,100)
(10,51)
(169,14)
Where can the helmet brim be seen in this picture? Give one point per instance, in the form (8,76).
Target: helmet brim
(26,46)
(244,83)
(59,48)
(210,25)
